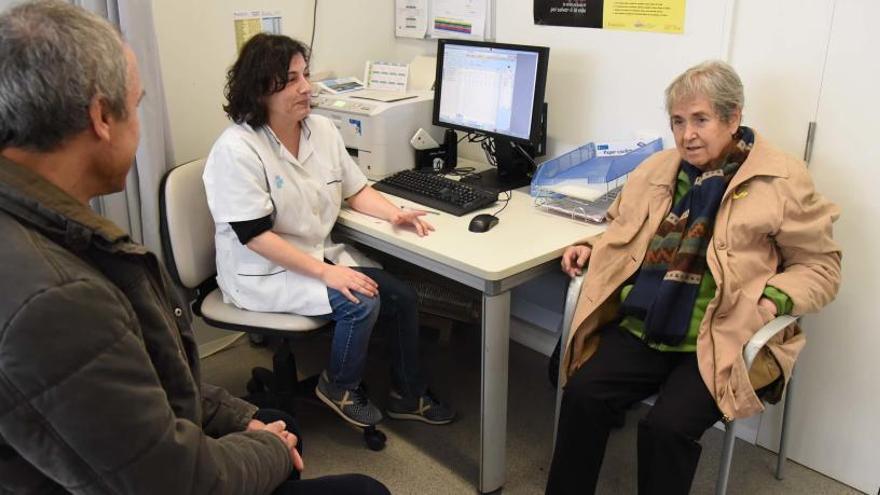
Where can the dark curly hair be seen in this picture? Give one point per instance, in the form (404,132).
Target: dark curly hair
(261,69)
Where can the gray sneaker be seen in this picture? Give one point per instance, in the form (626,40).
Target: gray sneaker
(425,408)
(353,405)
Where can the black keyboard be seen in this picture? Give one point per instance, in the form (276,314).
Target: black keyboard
(436,191)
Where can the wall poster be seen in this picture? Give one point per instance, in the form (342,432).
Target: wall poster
(248,23)
(660,16)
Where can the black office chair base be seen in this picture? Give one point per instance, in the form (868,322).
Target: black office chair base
(278,389)
(374,438)
(262,391)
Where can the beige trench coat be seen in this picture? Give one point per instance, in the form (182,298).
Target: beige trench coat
(772,228)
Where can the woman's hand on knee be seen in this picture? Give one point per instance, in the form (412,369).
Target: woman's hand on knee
(574,258)
(348,281)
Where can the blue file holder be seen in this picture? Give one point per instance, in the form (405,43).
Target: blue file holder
(584,166)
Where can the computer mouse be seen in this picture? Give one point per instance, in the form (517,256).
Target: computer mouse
(483,222)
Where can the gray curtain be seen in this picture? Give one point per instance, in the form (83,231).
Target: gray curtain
(137,208)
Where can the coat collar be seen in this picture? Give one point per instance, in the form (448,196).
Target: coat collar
(33,200)
(764,159)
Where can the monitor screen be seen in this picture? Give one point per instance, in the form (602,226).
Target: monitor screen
(490,88)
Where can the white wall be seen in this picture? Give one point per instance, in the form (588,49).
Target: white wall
(197,46)
(781,65)
(608,84)
(350,33)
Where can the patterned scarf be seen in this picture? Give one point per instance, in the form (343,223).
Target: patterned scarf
(668,282)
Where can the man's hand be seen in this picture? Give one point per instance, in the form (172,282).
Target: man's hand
(346,280)
(768,304)
(412,217)
(279,429)
(255,424)
(574,258)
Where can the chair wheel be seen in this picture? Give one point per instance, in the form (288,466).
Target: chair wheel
(375,438)
(254,387)
(264,376)
(262,380)
(258,340)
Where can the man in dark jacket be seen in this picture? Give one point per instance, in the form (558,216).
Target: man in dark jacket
(99,373)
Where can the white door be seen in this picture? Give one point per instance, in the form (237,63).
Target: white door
(834,422)
(778,48)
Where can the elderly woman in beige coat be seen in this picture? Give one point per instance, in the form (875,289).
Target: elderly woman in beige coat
(706,243)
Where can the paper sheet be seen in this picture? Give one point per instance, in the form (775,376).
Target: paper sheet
(247,23)
(582,190)
(661,16)
(422,70)
(411,18)
(458,19)
(340,85)
(386,76)
(382,95)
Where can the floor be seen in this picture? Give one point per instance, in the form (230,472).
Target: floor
(421,459)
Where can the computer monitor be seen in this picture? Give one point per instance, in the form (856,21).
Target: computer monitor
(495,90)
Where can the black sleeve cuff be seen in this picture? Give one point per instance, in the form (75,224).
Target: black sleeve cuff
(249,229)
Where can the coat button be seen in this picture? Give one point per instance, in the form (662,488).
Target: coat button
(178,312)
(721,244)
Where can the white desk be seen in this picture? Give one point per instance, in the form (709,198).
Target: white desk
(526,243)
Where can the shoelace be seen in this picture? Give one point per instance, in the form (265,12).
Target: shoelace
(429,398)
(359,396)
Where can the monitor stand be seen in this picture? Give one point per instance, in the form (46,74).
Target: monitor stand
(490,181)
(514,170)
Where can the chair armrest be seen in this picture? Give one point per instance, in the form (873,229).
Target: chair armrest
(766,332)
(571,300)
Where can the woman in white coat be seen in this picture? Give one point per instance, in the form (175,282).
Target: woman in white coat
(275,182)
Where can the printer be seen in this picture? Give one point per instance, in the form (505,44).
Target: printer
(377,133)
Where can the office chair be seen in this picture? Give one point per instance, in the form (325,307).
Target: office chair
(754,345)
(188,241)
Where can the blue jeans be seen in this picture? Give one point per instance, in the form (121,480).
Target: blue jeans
(397,305)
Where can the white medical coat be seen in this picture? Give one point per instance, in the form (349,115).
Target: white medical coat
(249,174)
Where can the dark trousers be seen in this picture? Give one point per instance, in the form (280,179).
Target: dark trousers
(624,371)
(344,484)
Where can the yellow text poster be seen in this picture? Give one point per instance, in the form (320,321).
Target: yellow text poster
(660,16)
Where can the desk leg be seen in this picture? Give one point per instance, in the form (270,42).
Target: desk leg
(493,396)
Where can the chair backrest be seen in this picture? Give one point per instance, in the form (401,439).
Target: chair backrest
(187,225)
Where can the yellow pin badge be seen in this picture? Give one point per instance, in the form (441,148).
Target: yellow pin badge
(740,193)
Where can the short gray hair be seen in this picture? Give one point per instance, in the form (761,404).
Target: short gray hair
(54,59)
(715,80)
